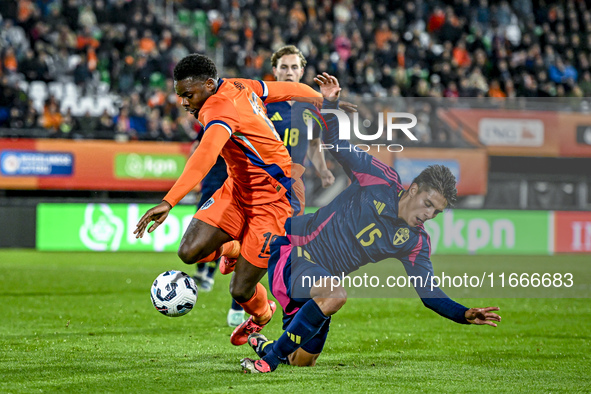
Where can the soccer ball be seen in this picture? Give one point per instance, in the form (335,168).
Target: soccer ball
(174,293)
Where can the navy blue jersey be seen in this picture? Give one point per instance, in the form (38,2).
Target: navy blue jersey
(361,225)
(214,179)
(290,121)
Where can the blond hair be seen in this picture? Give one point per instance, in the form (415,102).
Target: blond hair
(288,50)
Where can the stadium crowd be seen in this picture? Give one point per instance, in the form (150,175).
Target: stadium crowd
(423,48)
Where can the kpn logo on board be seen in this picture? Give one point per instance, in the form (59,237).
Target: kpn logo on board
(149,166)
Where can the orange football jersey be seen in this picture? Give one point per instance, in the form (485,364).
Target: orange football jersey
(237,127)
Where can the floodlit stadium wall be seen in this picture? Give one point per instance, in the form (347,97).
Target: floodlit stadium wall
(109,227)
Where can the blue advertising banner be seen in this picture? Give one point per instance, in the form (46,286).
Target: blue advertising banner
(31,163)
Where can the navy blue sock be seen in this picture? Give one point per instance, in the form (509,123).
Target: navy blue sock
(236,306)
(201,267)
(212,268)
(306,323)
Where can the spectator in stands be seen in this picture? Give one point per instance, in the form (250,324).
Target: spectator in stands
(562,73)
(167,133)
(85,126)
(31,119)
(510,89)
(87,18)
(82,75)
(13,36)
(126,76)
(495,90)
(29,66)
(122,123)
(52,118)
(138,121)
(106,122)
(585,84)
(9,61)
(460,55)
(67,125)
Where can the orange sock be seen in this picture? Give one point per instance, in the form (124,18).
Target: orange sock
(258,305)
(229,249)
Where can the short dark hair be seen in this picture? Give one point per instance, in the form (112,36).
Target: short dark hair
(440,179)
(288,50)
(195,66)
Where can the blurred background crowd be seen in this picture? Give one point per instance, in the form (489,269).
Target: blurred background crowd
(103,68)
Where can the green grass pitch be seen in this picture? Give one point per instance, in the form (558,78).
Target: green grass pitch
(83,322)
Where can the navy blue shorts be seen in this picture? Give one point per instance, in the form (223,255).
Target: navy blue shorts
(290,281)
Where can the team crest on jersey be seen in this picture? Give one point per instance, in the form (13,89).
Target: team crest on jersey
(307,115)
(401,236)
(207,204)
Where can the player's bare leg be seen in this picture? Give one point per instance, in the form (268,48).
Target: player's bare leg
(200,240)
(302,358)
(252,296)
(329,298)
(245,278)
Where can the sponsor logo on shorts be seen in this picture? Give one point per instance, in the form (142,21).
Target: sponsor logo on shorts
(207,204)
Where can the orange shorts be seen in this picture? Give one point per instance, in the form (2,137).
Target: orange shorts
(255,226)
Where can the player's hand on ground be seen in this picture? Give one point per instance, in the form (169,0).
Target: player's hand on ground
(482,316)
(329,86)
(327,178)
(347,106)
(157,214)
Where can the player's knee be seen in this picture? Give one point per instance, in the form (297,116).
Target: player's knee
(339,293)
(330,301)
(189,253)
(186,254)
(241,291)
(333,305)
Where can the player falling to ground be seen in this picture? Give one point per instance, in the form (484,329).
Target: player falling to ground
(373,219)
(205,272)
(253,204)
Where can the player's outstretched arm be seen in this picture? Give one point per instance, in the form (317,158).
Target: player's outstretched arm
(274,91)
(199,163)
(483,316)
(157,215)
